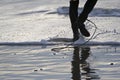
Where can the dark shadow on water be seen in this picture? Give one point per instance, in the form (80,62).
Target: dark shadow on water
(99,12)
(80,67)
(32,12)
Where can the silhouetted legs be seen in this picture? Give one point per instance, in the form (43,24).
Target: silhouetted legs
(77,22)
(88,7)
(73,13)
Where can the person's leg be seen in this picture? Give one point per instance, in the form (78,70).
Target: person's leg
(73,14)
(89,5)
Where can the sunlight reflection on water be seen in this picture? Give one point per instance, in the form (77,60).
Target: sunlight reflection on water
(32,62)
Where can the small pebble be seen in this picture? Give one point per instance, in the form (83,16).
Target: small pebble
(63,57)
(41,69)
(111,63)
(35,70)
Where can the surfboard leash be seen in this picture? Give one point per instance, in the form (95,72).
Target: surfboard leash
(83,44)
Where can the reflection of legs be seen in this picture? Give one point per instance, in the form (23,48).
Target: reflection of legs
(85,52)
(76,73)
(73,13)
(75,65)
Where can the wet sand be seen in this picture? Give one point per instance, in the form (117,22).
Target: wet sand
(77,63)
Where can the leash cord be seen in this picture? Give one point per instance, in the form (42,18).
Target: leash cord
(69,45)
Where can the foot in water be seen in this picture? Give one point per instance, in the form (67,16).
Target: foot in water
(83,30)
(75,37)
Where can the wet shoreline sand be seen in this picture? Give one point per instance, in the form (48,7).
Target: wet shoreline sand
(40,63)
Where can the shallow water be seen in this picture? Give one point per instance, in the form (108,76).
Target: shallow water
(32,22)
(78,63)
